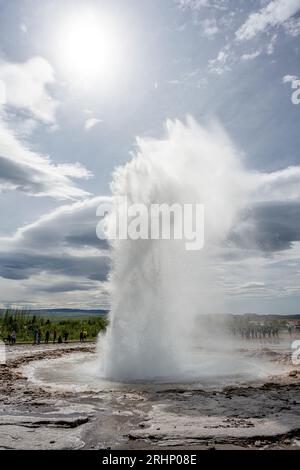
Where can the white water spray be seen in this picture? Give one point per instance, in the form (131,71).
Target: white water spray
(157,287)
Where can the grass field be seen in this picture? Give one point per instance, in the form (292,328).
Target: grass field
(24,323)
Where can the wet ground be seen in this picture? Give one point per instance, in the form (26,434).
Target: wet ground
(41,408)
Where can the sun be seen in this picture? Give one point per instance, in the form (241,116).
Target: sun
(88,47)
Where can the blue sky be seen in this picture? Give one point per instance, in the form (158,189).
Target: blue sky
(63,132)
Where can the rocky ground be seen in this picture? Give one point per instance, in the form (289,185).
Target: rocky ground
(258,415)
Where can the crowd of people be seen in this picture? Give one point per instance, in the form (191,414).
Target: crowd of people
(256,331)
(60,337)
(38,336)
(47,337)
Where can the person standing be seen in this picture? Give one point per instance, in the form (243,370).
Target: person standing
(84,334)
(13,337)
(47,336)
(36,336)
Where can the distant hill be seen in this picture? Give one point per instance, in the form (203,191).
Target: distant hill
(78,312)
(65,312)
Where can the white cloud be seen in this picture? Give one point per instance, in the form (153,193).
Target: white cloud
(271,46)
(253,285)
(251,288)
(59,255)
(289,78)
(57,260)
(24,86)
(292,27)
(193,4)
(209,27)
(273,14)
(46,290)
(27,171)
(220,64)
(198,5)
(251,55)
(281,270)
(2,94)
(25,126)
(61,230)
(281,185)
(92,122)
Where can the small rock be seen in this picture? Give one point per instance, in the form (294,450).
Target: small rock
(293,373)
(257,443)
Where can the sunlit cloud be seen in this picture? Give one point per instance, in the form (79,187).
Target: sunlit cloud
(24,87)
(29,172)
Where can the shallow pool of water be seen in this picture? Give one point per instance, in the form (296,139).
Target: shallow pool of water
(80,372)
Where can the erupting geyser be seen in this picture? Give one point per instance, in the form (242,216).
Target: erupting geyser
(158,288)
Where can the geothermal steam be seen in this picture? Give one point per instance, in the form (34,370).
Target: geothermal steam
(158,288)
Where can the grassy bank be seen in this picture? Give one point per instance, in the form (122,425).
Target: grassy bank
(24,323)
